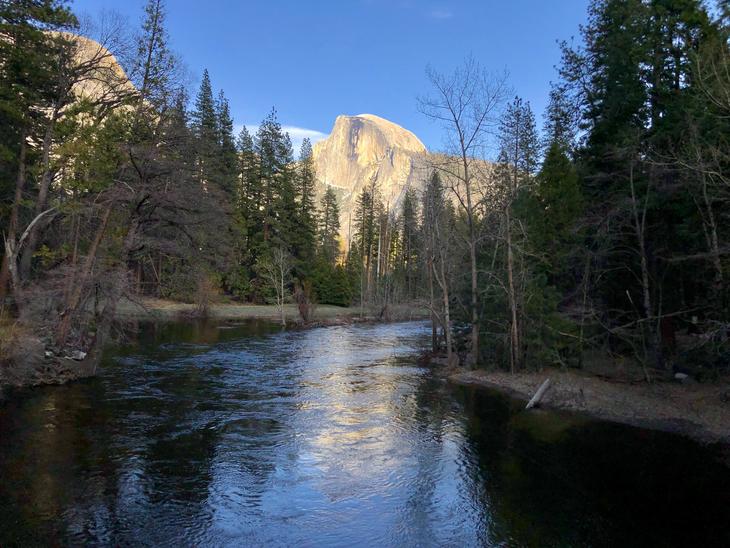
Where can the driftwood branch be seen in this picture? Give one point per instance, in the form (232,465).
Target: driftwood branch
(539,394)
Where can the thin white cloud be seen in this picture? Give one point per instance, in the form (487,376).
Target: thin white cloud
(440,13)
(296,134)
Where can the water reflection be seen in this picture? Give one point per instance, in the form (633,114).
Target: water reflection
(247,435)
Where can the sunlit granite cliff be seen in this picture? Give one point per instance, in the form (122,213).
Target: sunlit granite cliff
(364,149)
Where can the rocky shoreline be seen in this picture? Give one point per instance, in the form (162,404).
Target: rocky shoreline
(698,411)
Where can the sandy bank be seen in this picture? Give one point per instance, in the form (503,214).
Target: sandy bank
(700,411)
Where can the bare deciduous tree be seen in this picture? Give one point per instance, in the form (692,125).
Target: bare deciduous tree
(467,103)
(275,271)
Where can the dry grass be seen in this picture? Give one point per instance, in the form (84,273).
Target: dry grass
(10,332)
(161,309)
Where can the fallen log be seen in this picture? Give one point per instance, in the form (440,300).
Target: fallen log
(539,394)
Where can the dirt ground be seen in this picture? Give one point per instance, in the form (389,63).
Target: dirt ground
(701,411)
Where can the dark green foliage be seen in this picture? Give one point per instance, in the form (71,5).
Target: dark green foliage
(205,128)
(305,232)
(227,160)
(275,184)
(550,209)
(332,283)
(329,227)
(637,82)
(519,143)
(408,244)
(29,63)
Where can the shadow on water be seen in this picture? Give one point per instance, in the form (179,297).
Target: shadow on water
(208,434)
(558,479)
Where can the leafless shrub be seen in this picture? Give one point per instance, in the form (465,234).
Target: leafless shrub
(305,299)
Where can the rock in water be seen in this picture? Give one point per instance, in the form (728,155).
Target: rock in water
(363,149)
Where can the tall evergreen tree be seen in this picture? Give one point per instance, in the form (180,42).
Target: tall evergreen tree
(154,64)
(277,192)
(560,119)
(306,211)
(205,127)
(409,241)
(248,189)
(366,235)
(329,226)
(227,160)
(550,210)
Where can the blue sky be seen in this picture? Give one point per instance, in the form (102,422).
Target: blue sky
(316,59)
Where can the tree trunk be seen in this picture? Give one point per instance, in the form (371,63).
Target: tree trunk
(538,395)
(75,297)
(447,315)
(512,297)
(474,354)
(586,275)
(5,270)
(640,229)
(43,191)
(713,239)
(13,248)
(434,330)
(281,295)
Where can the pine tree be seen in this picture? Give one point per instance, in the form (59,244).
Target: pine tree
(560,123)
(519,142)
(227,154)
(550,209)
(277,190)
(248,189)
(154,64)
(365,238)
(306,211)
(329,226)
(607,75)
(205,127)
(286,227)
(409,241)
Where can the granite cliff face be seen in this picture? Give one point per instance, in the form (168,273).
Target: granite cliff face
(363,149)
(101,76)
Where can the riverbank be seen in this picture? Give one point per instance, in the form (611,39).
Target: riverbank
(29,357)
(164,310)
(699,411)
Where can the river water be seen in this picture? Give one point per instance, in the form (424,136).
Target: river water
(244,435)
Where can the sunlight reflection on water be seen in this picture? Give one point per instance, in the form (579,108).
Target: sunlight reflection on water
(327,437)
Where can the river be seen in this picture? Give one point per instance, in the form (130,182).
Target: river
(200,434)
